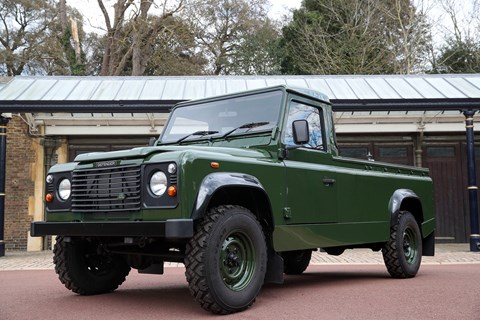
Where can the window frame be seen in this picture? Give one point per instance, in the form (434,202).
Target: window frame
(321,113)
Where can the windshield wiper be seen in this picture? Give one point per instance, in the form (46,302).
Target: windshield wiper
(196,133)
(250,125)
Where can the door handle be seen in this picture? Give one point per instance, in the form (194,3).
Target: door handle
(328,182)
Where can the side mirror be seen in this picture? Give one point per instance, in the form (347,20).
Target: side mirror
(300,132)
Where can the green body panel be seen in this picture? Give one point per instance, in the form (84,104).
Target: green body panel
(196,166)
(316,198)
(428,226)
(311,236)
(308,198)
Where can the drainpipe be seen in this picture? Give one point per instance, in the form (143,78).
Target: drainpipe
(3,160)
(472,182)
(419,145)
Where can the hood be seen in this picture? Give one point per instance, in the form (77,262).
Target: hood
(121,154)
(144,152)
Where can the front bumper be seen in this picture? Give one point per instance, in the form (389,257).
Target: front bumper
(170,229)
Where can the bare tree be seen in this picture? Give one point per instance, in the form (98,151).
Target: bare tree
(128,32)
(354,36)
(220,26)
(462,20)
(335,37)
(407,33)
(174,51)
(39,37)
(258,52)
(460,53)
(24,26)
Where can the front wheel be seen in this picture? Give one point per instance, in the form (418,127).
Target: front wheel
(402,253)
(83,268)
(226,260)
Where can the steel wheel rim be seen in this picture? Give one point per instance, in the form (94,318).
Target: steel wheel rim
(237,261)
(95,263)
(410,248)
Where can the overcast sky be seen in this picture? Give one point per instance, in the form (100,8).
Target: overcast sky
(281,7)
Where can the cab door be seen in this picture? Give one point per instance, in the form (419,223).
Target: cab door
(311,179)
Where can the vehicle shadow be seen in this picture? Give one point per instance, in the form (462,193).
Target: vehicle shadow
(336,278)
(169,297)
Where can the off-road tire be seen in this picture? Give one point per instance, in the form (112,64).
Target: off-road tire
(226,260)
(296,262)
(83,270)
(402,253)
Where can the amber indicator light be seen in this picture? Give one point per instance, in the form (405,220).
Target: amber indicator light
(172,191)
(49,197)
(215,165)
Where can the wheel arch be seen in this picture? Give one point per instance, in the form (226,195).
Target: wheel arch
(407,200)
(222,188)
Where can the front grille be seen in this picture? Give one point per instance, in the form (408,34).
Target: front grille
(106,189)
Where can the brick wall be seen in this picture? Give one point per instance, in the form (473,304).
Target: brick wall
(18,185)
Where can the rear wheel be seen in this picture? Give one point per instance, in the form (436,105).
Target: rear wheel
(296,262)
(402,253)
(85,269)
(226,260)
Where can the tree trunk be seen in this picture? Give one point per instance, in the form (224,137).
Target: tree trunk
(138,50)
(62,10)
(76,41)
(119,49)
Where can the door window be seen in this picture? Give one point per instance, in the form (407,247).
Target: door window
(300,111)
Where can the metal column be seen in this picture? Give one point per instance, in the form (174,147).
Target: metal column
(472,182)
(3,161)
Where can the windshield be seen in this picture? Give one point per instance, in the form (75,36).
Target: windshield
(236,115)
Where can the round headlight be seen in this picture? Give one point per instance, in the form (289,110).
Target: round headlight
(64,189)
(158,183)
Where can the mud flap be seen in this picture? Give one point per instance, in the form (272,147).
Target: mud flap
(274,272)
(156,268)
(428,245)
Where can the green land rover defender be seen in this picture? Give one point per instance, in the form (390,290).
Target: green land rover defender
(241,188)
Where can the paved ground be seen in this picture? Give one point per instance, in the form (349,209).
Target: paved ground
(445,254)
(330,292)
(354,285)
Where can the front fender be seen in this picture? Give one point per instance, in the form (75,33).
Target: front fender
(215,181)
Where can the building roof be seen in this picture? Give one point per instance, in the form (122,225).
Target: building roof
(140,105)
(4,80)
(158,94)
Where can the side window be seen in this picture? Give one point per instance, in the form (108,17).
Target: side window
(299,111)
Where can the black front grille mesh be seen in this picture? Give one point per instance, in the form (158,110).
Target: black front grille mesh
(106,189)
